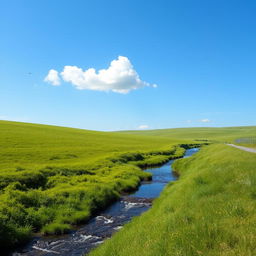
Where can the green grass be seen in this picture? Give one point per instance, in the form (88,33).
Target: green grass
(210,210)
(222,134)
(52,178)
(55,229)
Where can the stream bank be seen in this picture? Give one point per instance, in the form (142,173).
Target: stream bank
(107,222)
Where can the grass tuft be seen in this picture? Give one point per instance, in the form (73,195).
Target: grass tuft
(56,229)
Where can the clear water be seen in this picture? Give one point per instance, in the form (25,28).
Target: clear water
(109,221)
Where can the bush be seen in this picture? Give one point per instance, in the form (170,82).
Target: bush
(56,229)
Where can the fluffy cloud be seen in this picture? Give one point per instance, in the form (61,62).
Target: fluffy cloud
(119,77)
(53,77)
(143,126)
(205,120)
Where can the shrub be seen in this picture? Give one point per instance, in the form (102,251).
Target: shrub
(56,229)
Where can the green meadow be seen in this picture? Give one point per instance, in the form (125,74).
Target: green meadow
(52,178)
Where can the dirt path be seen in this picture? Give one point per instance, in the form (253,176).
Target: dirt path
(252,150)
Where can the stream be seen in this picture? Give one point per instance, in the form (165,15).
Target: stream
(109,221)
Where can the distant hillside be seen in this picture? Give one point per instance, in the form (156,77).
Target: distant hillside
(222,134)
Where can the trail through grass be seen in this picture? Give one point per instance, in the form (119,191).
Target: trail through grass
(252,150)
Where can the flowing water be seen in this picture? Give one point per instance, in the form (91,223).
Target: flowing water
(109,221)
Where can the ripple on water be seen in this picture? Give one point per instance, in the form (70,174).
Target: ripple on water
(104,219)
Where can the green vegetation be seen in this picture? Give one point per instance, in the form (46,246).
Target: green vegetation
(54,177)
(226,134)
(210,210)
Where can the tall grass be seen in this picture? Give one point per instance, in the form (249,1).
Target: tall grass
(209,211)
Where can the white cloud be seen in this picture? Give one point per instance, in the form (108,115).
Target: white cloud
(143,126)
(53,77)
(119,77)
(205,120)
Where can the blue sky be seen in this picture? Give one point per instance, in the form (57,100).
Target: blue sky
(201,55)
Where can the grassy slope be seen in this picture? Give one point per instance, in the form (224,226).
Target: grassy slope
(53,177)
(33,145)
(226,134)
(236,135)
(210,210)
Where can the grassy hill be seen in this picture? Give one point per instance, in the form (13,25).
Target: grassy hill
(223,134)
(54,177)
(33,145)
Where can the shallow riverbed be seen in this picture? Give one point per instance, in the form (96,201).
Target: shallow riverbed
(109,221)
